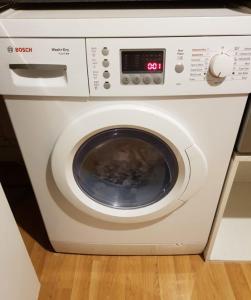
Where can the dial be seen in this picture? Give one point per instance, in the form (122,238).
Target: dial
(221,65)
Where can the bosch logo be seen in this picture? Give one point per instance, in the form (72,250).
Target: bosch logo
(10,49)
(23,49)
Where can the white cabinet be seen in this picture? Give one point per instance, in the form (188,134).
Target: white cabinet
(231,233)
(18,280)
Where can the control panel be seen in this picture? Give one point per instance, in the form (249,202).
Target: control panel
(126,67)
(169,66)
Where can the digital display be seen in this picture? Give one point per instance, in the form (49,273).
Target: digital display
(142,61)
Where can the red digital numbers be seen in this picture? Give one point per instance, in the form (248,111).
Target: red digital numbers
(153,66)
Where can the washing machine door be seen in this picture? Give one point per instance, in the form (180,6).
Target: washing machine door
(127,163)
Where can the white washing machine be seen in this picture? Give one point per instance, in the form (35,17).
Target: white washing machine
(126,122)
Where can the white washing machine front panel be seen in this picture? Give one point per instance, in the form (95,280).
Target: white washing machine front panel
(185,230)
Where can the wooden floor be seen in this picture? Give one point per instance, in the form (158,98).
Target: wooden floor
(80,277)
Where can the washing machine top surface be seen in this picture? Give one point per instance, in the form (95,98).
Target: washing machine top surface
(125,22)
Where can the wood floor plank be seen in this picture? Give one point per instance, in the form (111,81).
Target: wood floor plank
(52,264)
(203,287)
(238,281)
(66,271)
(81,280)
(38,256)
(220,280)
(185,277)
(28,240)
(97,280)
(62,294)
(47,291)
(112,280)
(167,278)
(246,268)
(134,288)
(52,292)
(150,276)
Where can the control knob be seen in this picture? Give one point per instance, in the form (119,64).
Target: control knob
(221,65)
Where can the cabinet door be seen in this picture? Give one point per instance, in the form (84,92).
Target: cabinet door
(18,280)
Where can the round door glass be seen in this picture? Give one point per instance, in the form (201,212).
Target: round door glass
(125,168)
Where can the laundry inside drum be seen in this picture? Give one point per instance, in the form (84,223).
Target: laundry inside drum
(125,168)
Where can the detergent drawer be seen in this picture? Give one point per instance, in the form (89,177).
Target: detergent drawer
(43,67)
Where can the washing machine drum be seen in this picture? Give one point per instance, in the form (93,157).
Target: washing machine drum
(127,163)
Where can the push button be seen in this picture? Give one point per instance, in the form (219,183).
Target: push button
(105,63)
(136,80)
(125,79)
(146,79)
(105,51)
(179,68)
(106,74)
(107,85)
(157,79)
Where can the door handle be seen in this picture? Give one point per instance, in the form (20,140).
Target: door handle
(41,67)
